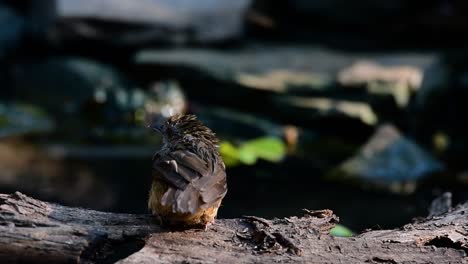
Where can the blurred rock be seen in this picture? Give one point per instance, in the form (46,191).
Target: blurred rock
(326,107)
(241,78)
(283,80)
(10,31)
(398,81)
(269,68)
(90,100)
(289,69)
(63,84)
(390,161)
(125,22)
(20,119)
(246,79)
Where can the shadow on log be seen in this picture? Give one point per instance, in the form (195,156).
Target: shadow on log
(40,232)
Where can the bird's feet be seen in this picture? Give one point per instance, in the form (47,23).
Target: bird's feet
(208,225)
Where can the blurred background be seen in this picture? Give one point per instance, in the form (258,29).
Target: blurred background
(357,106)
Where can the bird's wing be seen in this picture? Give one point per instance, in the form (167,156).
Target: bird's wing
(194,183)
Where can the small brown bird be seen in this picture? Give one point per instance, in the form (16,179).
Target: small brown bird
(189,176)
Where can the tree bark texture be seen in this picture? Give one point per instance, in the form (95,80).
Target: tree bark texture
(33,231)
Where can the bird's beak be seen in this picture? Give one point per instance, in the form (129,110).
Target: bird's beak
(156,127)
(155,122)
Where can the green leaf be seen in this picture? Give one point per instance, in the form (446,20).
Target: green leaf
(247,156)
(229,153)
(341,231)
(268,148)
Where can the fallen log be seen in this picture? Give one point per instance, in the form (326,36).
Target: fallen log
(33,231)
(41,232)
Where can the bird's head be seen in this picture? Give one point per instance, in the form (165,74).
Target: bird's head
(183,126)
